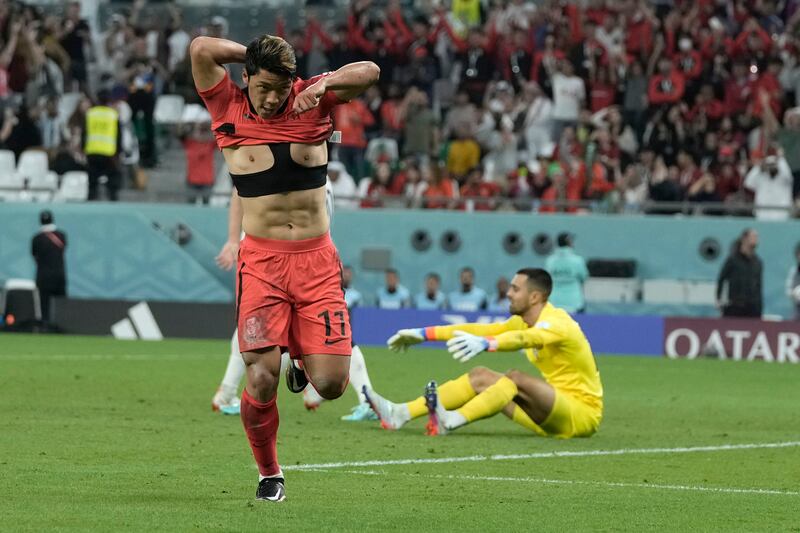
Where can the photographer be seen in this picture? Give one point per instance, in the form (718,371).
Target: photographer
(771,182)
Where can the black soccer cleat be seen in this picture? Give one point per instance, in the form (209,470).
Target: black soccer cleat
(296,379)
(271,489)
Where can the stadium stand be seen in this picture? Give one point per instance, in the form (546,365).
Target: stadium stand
(617,106)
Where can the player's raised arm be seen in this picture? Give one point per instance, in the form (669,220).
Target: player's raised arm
(353,79)
(466,345)
(208,54)
(346,83)
(404,338)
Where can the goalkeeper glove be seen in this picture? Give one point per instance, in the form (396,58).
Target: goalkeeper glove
(400,341)
(464,346)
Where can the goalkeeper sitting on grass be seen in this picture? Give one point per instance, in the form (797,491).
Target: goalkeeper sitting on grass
(568,402)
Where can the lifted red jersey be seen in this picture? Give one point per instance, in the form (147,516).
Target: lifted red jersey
(235,122)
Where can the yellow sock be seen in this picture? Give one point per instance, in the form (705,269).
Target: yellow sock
(452,394)
(522,418)
(491,401)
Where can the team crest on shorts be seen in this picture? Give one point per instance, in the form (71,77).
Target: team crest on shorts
(253,330)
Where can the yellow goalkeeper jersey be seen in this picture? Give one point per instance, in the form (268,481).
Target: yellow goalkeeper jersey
(556,345)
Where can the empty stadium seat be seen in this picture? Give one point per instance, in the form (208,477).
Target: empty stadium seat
(169,109)
(193,113)
(8,162)
(32,163)
(74,187)
(42,187)
(10,182)
(33,167)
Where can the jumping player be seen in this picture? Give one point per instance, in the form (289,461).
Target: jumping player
(225,400)
(273,136)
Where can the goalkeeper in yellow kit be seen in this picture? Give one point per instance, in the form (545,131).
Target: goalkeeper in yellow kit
(567,402)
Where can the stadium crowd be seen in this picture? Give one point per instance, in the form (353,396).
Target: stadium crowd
(557,106)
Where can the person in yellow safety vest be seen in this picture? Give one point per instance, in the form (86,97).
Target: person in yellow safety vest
(101,145)
(467,12)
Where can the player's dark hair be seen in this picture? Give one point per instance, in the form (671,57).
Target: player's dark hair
(390,271)
(270,53)
(538,280)
(564,239)
(46,217)
(433,275)
(467,269)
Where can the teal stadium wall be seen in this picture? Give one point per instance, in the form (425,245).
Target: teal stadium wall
(116,251)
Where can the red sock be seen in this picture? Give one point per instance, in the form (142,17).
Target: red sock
(261,425)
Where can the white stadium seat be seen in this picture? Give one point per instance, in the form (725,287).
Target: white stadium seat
(32,164)
(43,186)
(33,167)
(169,109)
(74,187)
(10,187)
(194,113)
(8,162)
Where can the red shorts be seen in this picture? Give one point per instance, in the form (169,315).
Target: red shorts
(289,293)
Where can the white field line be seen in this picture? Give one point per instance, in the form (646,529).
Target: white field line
(546,481)
(544,455)
(108,357)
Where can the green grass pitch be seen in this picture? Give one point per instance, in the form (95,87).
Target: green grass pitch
(105,435)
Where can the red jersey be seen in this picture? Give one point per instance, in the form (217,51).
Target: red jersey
(235,122)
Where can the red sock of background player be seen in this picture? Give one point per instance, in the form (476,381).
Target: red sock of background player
(261,426)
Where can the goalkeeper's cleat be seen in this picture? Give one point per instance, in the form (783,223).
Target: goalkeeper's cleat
(271,489)
(436,413)
(360,413)
(223,399)
(296,378)
(311,399)
(390,414)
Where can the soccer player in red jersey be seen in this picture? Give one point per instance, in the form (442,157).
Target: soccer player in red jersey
(273,135)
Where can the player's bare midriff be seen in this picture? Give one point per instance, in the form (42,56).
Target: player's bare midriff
(288,216)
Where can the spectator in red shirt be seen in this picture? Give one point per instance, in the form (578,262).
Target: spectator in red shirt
(729,181)
(687,168)
(477,187)
(391,112)
(768,84)
(667,86)
(639,37)
(752,42)
(705,103)
(603,90)
(688,61)
(439,189)
(199,146)
(372,190)
(738,89)
(562,188)
(351,119)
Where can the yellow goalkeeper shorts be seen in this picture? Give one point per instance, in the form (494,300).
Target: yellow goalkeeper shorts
(569,418)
